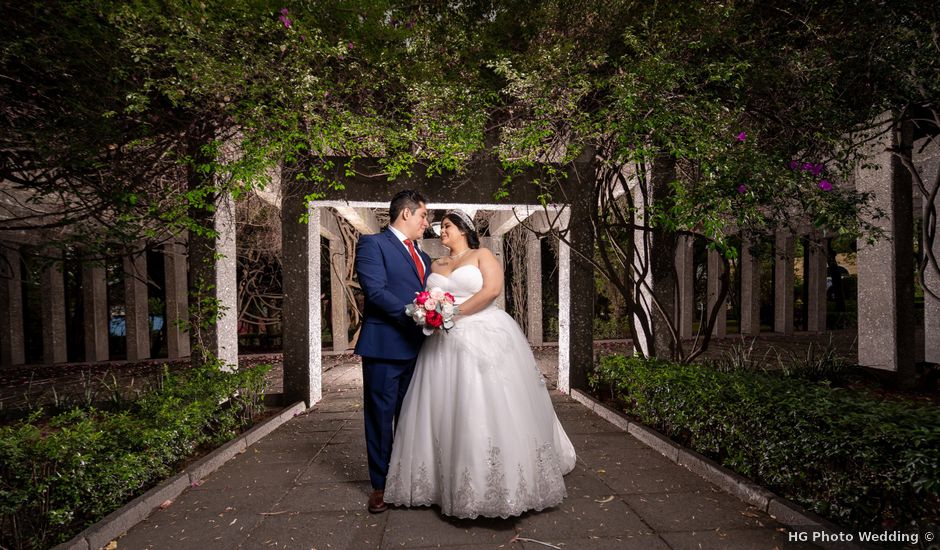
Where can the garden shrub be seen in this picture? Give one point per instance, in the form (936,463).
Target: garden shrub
(62,475)
(847,456)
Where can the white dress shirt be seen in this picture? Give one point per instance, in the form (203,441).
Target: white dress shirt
(401,237)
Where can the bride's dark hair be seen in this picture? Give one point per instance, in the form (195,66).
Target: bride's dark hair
(473,240)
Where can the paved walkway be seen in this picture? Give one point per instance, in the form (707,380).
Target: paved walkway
(305,486)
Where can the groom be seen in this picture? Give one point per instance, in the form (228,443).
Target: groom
(391,269)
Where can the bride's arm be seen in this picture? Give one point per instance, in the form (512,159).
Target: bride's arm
(492,284)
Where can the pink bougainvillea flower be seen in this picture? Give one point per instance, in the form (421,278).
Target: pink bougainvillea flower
(742,136)
(794,164)
(817,169)
(825,185)
(807,166)
(742,188)
(285,11)
(285,21)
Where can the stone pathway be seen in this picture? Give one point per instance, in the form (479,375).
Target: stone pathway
(305,486)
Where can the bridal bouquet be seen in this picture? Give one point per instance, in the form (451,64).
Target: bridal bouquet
(433,309)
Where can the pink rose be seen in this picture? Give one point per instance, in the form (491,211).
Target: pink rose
(422,297)
(430,304)
(434,319)
(449,297)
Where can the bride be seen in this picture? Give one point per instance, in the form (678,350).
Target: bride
(477,433)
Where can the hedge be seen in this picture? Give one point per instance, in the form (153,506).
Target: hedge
(62,474)
(854,459)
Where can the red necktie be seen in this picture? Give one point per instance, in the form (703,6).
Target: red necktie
(414,256)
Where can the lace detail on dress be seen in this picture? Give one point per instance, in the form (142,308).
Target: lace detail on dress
(496,499)
(549,474)
(465,502)
(422,491)
(393,480)
(522,491)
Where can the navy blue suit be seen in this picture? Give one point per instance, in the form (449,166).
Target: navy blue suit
(389,340)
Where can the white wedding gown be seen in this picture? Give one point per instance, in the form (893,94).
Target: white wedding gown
(477,434)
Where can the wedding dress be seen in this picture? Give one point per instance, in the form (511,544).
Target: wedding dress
(477,433)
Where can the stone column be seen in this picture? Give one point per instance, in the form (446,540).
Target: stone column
(715,268)
(303,364)
(685,271)
(750,291)
(12,344)
(578,296)
(533,281)
(95,304)
(885,280)
(212,269)
(564,317)
(815,282)
(54,343)
(495,244)
(177,299)
(136,309)
(929,162)
(653,268)
(338,302)
(784,251)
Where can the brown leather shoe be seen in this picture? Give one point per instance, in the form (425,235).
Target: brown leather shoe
(376,502)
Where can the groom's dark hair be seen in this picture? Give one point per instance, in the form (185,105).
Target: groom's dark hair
(404,199)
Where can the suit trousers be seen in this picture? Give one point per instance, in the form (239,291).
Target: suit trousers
(385,383)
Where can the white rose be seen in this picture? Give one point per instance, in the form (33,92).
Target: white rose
(418,316)
(437,294)
(431,304)
(447,309)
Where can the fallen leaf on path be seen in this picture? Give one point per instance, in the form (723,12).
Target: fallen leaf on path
(604,500)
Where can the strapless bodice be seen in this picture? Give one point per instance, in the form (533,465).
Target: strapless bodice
(463,282)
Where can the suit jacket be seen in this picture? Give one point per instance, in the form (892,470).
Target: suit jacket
(389,279)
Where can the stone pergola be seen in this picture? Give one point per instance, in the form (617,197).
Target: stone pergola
(474,190)
(885,290)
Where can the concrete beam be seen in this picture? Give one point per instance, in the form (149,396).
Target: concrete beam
(715,268)
(784,251)
(95,303)
(815,281)
(12,343)
(685,270)
(362,219)
(338,303)
(213,273)
(928,158)
(54,343)
(533,283)
(329,226)
(503,221)
(177,298)
(136,308)
(302,319)
(750,291)
(885,286)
